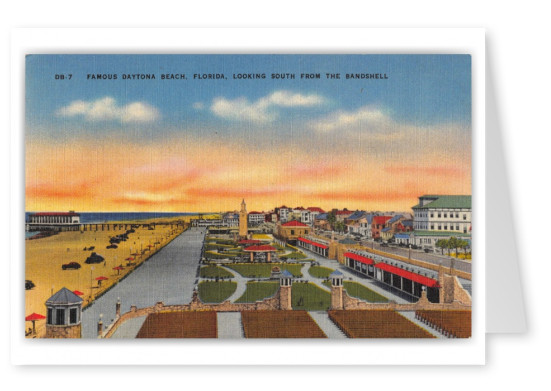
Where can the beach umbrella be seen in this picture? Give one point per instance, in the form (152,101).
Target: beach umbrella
(33,318)
(78,293)
(100,279)
(118,269)
(130,259)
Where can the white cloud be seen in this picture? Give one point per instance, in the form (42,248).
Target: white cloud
(365,118)
(107,109)
(264,109)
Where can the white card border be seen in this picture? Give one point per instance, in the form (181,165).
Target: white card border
(245,352)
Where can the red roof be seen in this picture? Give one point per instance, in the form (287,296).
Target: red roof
(315,209)
(313,243)
(381,219)
(55,214)
(343,212)
(409,275)
(256,213)
(260,248)
(359,258)
(299,208)
(294,223)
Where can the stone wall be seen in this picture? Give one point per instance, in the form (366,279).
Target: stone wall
(274,303)
(63,331)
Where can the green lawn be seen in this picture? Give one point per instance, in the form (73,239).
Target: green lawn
(361,292)
(293,255)
(214,271)
(258,291)
(320,272)
(309,297)
(216,292)
(263,270)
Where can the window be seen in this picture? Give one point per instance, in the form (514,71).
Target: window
(49,316)
(439,214)
(457,227)
(306,232)
(445,215)
(464,216)
(59,316)
(432,226)
(445,228)
(439,227)
(292,232)
(432,215)
(72,316)
(457,215)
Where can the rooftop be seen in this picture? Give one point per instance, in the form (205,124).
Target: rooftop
(444,201)
(294,223)
(64,296)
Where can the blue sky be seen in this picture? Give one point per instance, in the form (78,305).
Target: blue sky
(421,90)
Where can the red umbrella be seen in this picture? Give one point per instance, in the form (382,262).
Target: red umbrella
(118,269)
(78,293)
(100,279)
(129,259)
(34,317)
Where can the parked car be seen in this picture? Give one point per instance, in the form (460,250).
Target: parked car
(384,244)
(29,285)
(427,250)
(71,265)
(112,246)
(94,258)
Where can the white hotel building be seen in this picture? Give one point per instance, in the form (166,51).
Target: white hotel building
(441,217)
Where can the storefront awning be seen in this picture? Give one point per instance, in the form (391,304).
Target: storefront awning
(409,275)
(359,258)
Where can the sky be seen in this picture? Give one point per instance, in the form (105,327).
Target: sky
(98,137)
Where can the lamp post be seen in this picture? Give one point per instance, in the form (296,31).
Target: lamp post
(409,255)
(91,283)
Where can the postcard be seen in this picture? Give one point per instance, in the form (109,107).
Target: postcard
(248,196)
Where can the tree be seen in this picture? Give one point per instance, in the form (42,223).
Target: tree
(454,243)
(442,244)
(331,219)
(340,226)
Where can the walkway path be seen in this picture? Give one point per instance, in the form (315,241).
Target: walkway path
(241,284)
(168,276)
(327,325)
(229,325)
(350,275)
(130,328)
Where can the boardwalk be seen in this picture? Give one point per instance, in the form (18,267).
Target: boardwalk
(168,276)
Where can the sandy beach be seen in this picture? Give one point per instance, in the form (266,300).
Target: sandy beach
(44,259)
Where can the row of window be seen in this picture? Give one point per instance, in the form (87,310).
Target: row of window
(60,316)
(456,215)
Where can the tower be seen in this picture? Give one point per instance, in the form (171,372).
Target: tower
(243,220)
(285,286)
(336,290)
(64,310)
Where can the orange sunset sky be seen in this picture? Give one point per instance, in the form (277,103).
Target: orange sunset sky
(203,145)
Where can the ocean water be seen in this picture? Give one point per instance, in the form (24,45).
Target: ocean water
(104,217)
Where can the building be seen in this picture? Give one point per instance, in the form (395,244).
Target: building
(314,211)
(256,218)
(378,223)
(53,221)
(283,213)
(321,222)
(64,312)
(450,213)
(292,230)
(243,221)
(230,219)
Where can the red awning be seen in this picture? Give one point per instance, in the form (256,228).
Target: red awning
(313,243)
(409,275)
(359,258)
